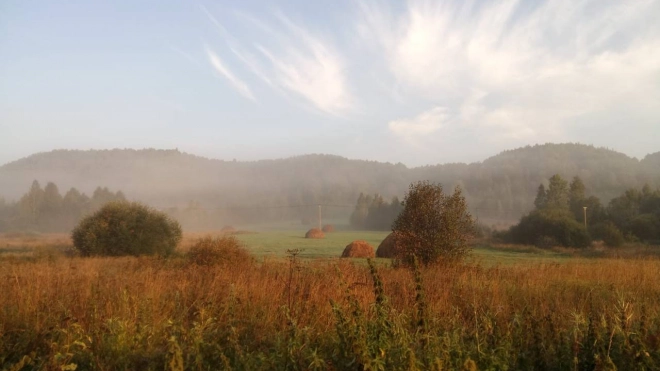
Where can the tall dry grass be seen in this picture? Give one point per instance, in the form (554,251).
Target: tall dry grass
(151,313)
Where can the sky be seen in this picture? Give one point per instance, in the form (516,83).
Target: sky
(417,82)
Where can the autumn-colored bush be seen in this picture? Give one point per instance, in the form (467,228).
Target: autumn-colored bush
(358,249)
(218,250)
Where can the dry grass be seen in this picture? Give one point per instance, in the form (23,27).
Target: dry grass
(145,313)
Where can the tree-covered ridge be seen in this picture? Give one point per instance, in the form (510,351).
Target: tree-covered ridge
(501,187)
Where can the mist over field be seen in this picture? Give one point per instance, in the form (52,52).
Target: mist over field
(217,192)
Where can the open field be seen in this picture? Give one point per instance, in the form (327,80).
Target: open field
(506,308)
(271,243)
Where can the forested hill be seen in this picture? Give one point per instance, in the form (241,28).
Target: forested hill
(502,186)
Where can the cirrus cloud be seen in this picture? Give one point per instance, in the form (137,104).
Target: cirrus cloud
(518,72)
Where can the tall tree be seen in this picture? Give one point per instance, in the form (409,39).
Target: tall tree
(74,206)
(359,215)
(557,194)
(50,209)
(30,204)
(541,197)
(576,198)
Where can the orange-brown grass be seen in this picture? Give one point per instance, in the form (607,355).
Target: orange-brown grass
(140,313)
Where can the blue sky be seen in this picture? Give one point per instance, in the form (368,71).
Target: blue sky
(418,82)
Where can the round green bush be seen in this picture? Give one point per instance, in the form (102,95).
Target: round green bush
(126,228)
(556,224)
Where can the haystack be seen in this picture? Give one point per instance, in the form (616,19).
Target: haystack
(228,229)
(387,248)
(328,228)
(314,233)
(358,249)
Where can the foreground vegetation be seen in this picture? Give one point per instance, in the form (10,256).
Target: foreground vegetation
(238,313)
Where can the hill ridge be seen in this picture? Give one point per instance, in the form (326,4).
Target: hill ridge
(503,184)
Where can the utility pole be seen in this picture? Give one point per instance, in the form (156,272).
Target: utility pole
(585,216)
(320,226)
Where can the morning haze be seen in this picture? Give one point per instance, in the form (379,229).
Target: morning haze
(330,185)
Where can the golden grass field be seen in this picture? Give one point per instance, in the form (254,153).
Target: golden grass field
(555,311)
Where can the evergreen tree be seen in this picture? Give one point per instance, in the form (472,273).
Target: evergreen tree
(359,216)
(74,206)
(375,215)
(576,198)
(541,197)
(557,194)
(30,205)
(50,209)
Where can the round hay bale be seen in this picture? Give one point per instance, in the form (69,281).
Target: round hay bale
(358,249)
(314,233)
(228,229)
(328,228)
(387,248)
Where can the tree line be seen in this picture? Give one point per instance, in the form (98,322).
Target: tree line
(500,188)
(46,210)
(374,213)
(565,215)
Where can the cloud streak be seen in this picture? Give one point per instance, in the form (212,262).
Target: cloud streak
(291,59)
(240,86)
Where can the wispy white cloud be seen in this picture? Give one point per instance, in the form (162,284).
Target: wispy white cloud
(520,72)
(221,68)
(292,59)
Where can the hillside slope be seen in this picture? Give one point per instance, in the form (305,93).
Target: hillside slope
(502,186)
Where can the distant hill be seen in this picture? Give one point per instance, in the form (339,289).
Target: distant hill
(502,186)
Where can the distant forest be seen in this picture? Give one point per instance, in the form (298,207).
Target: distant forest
(46,210)
(501,188)
(565,215)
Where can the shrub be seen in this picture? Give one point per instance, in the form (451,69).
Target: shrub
(433,226)
(126,228)
(219,250)
(546,242)
(609,233)
(646,227)
(557,224)
(612,236)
